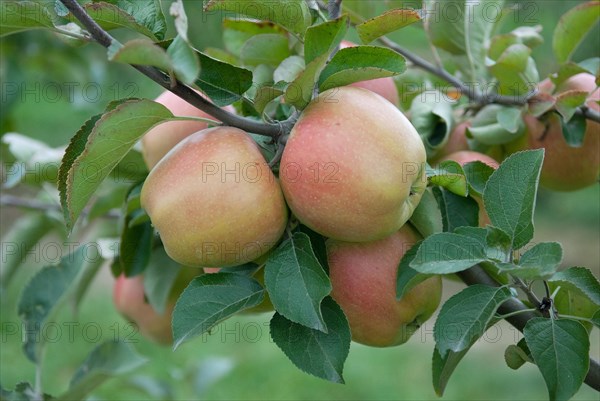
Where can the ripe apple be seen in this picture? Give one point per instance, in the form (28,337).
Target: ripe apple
(363,278)
(353,168)
(466,156)
(265,305)
(566,168)
(382,86)
(130,300)
(214,200)
(162,138)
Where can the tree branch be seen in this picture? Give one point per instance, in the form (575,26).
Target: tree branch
(588,113)
(334,8)
(186,93)
(476,275)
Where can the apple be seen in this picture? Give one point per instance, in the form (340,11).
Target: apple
(466,156)
(363,279)
(130,301)
(385,87)
(214,200)
(265,305)
(566,168)
(353,168)
(159,140)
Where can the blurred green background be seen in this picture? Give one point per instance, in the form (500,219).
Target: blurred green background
(50,88)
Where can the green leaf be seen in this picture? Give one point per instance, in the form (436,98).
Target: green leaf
(493,126)
(427,217)
(482,236)
(184,60)
(289,69)
(110,16)
(223,83)
(515,70)
(568,102)
(135,246)
(236,31)
(478,174)
(544,257)
(443,367)
(496,238)
(142,52)
(433,121)
(293,15)
(566,71)
(313,351)
(18,16)
(43,295)
(109,359)
(269,48)
(450,175)
(323,38)
(385,23)
(466,315)
(98,147)
(360,63)
(574,130)
(211,298)
(147,13)
(159,276)
(408,277)
(596,319)
(581,280)
(23,392)
(318,244)
(515,356)
(297,282)
(445,253)
(457,211)
(572,29)
(300,92)
(572,302)
(510,195)
(560,348)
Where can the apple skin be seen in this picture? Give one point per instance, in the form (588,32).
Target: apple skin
(157,142)
(363,278)
(130,301)
(214,200)
(265,305)
(466,156)
(382,86)
(566,168)
(353,168)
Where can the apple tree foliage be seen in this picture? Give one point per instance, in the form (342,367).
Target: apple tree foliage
(277,56)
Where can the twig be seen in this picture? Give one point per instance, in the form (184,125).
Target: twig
(186,93)
(588,113)
(476,275)
(334,9)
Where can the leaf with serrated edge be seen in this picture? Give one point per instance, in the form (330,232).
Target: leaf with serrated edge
(321,39)
(210,299)
(297,282)
(17,16)
(510,195)
(312,351)
(580,279)
(42,296)
(466,315)
(109,359)
(99,146)
(445,253)
(573,27)
(450,175)
(385,23)
(560,348)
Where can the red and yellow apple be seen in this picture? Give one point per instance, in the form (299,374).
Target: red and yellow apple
(161,139)
(567,168)
(353,168)
(363,278)
(382,86)
(214,200)
(130,301)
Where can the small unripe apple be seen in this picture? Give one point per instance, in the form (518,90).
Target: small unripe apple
(214,200)
(467,156)
(159,140)
(567,168)
(130,301)
(382,86)
(353,168)
(363,278)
